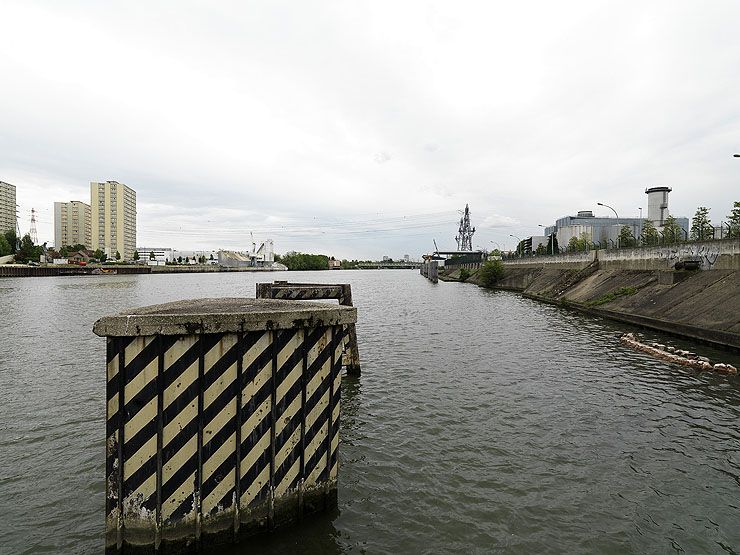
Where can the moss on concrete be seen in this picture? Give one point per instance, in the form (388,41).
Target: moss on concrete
(609,297)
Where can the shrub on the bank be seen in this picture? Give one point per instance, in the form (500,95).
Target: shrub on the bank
(464,274)
(302,261)
(490,273)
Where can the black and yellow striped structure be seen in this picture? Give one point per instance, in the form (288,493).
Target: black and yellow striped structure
(314,291)
(222,419)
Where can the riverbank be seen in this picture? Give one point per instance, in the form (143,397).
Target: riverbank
(52,270)
(701,305)
(208,268)
(18,270)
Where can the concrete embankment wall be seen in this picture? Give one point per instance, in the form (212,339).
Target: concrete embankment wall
(713,255)
(641,287)
(51,270)
(207,268)
(702,305)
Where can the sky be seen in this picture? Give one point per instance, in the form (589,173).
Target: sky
(362,129)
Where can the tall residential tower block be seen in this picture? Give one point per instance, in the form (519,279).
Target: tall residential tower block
(113,213)
(72,224)
(7,207)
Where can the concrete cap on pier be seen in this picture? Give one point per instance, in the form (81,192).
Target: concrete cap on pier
(225,315)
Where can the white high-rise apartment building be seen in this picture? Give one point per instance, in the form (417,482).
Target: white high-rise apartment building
(7,207)
(113,213)
(72,224)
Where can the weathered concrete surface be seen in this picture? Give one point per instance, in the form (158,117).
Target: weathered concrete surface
(222,420)
(573,261)
(225,315)
(702,305)
(714,255)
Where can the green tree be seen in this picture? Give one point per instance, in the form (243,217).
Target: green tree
(581,243)
(626,237)
(490,273)
(649,234)
(136,255)
(302,261)
(211,257)
(672,232)
(28,251)
(733,221)
(118,255)
(541,249)
(179,259)
(151,255)
(12,240)
(5,249)
(701,227)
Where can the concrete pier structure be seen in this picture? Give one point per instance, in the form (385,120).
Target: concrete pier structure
(315,291)
(222,420)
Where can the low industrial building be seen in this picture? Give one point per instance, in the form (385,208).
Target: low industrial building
(156,256)
(264,256)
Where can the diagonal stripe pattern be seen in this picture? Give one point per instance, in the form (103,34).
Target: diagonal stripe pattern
(304,291)
(199,425)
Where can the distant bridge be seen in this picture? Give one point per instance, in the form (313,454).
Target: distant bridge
(389,265)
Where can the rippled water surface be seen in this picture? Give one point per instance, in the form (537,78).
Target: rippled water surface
(482,422)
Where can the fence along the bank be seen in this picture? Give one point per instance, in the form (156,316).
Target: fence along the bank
(222,419)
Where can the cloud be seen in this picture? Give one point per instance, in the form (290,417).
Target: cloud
(382,157)
(244,117)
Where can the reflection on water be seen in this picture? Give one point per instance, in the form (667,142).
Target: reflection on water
(482,422)
(97,283)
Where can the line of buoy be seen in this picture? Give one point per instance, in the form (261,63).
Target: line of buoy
(677,356)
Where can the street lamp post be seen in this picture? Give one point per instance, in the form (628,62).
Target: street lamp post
(617,215)
(521,252)
(552,240)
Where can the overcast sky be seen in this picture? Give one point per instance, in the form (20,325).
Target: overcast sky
(359,129)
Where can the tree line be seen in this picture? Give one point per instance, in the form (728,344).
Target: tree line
(701,230)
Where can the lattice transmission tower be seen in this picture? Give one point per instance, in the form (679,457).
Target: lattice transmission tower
(465,232)
(32,232)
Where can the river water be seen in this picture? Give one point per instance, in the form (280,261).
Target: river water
(483,422)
